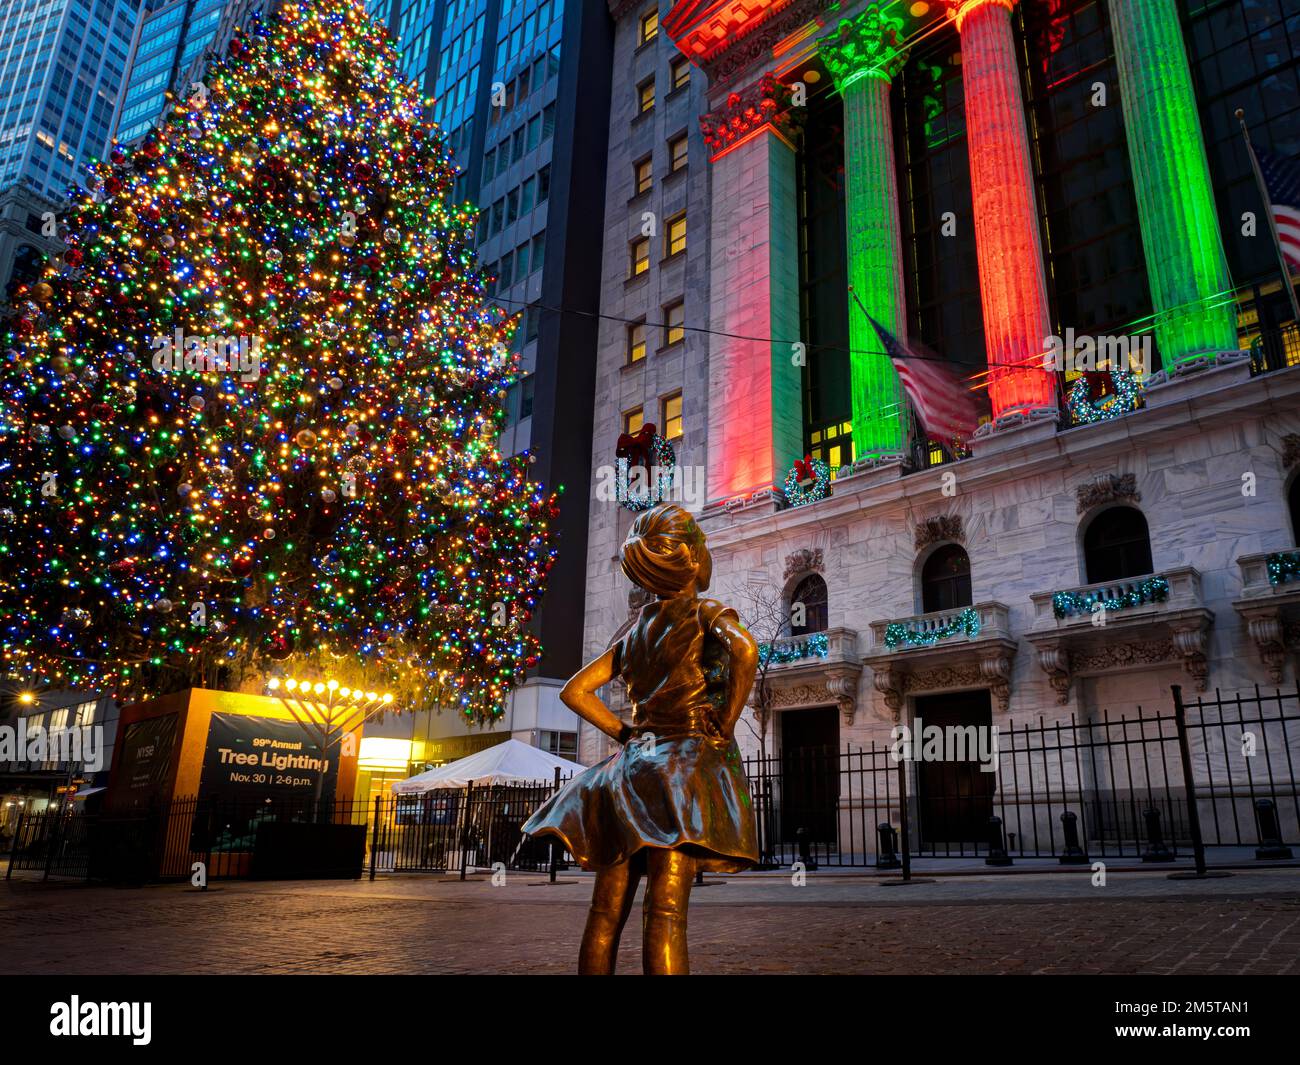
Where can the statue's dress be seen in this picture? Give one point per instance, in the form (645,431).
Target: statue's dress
(684,789)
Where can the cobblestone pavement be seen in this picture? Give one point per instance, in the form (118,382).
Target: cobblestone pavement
(1138,923)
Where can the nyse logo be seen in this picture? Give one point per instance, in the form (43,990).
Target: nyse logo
(79,1018)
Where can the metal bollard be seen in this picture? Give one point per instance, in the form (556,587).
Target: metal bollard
(1073,854)
(887,850)
(997,846)
(805,849)
(1156,850)
(1270,832)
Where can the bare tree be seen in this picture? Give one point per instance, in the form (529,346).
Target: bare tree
(764,615)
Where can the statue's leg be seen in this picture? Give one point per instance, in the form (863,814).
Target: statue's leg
(668,891)
(611,902)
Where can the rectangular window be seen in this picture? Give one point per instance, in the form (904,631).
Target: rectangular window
(544,183)
(512,206)
(675,235)
(674,323)
(680,72)
(676,153)
(635,342)
(563,744)
(643,175)
(498,215)
(633,420)
(640,256)
(670,421)
(527,388)
(649,27)
(522,269)
(527,194)
(505,275)
(645,96)
(539,251)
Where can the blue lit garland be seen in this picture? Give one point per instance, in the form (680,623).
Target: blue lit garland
(1148,590)
(896,632)
(665,464)
(798,496)
(1127,397)
(1283,566)
(814,646)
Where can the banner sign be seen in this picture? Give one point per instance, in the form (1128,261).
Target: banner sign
(144,759)
(263,759)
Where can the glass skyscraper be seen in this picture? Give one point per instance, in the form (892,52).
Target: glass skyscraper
(171,37)
(62,64)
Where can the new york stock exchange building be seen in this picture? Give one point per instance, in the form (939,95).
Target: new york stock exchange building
(803,197)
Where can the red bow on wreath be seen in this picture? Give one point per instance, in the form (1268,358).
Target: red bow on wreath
(803,470)
(635,447)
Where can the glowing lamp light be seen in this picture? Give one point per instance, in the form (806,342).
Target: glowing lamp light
(291,684)
(273,684)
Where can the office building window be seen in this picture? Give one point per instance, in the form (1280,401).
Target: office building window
(633,420)
(680,71)
(643,175)
(635,342)
(640,256)
(677,153)
(674,323)
(645,96)
(675,235)
(649,27)
(670,422)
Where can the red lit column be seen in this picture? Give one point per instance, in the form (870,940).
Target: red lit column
(1013,289)
(755,386)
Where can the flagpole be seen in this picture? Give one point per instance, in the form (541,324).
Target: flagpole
(911,428)
(1272,219)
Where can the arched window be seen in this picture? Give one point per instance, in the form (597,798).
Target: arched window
(1117,546)
(808,601)
(945,579)
(1293,500)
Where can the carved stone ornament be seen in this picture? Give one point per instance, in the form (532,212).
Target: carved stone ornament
(937,530)
(1187,644)
(767,102)
(805,560)
(869,45)
(758,45)
(1290,450)
(1115,487)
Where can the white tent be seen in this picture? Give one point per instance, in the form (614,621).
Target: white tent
(511,762)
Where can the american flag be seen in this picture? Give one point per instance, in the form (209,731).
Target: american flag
(946,407)
(1282,178)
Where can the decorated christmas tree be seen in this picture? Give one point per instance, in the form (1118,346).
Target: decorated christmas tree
(251,413)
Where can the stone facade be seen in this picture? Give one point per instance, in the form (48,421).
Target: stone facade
(1208,461)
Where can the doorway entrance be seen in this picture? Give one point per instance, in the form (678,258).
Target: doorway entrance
(955,798)
(810,792)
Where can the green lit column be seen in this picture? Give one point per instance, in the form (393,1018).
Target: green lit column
(1188,273)
(862,56)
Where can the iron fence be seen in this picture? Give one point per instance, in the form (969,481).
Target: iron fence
(1154,786)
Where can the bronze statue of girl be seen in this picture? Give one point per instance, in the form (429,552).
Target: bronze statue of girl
(674,799)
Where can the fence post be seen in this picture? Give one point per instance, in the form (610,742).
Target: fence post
(466,822)
(374,838)
(1189,785)
(997,844)
(18,833)
(554,861)
(902,818)
(50,841)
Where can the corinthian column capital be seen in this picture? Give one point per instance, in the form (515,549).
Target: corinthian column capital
(765,104)
(869,45)
(960,10)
